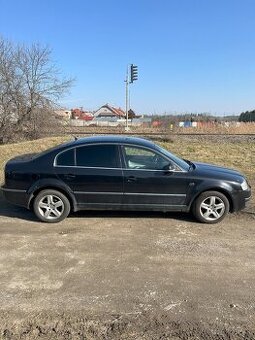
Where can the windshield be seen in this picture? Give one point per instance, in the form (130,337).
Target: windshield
(180,162)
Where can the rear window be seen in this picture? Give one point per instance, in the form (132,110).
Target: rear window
(98,156)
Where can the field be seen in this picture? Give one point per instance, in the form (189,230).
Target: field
(232,151)
(115,275)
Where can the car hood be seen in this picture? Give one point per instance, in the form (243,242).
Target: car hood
(218,171)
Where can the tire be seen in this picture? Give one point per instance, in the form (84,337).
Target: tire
(211,207)
(51,206)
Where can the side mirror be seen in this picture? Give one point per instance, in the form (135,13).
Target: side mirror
(169,167)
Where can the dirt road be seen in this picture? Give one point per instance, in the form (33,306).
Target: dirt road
(165,271)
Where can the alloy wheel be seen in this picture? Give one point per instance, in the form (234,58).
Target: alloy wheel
(212,208)
(51,207)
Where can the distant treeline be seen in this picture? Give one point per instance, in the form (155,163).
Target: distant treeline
(248,116)
(201,117)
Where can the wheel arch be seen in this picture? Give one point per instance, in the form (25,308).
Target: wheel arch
(34,191)
(218,189)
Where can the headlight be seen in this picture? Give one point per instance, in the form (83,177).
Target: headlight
(244,185)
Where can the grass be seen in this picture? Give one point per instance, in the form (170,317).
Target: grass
(235,154)
(8,151)
(240,156)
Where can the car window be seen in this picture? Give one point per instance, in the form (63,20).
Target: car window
(139,158)
(178,161)
(103,156)
(66,158)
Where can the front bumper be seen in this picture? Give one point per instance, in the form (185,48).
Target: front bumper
(240,199)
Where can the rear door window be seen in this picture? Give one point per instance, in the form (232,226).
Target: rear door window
(98,156)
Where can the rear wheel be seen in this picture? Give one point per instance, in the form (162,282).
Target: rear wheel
(211,207)
(51,206)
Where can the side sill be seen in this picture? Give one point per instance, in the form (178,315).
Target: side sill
(132,207)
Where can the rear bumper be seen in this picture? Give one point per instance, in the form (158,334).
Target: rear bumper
(16,196)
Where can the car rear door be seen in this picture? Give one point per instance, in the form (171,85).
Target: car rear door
(96,178)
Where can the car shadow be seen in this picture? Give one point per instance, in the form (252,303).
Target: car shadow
(10,210)
(133,215)
(14,211)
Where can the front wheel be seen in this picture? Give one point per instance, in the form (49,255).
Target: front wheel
(211,207)
(51,206)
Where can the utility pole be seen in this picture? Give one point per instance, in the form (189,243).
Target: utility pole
(131,76)
(127,98)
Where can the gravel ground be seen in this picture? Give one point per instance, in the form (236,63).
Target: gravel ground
(116,275)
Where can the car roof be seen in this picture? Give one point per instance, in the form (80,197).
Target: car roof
(115,139)
(112,139)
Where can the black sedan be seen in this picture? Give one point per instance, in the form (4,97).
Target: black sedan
(125,173)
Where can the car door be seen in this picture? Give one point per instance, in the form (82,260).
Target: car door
(149,183)
(96,177)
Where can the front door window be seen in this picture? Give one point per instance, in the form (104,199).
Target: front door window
(139,158)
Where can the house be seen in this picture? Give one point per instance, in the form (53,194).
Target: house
(107,111)
(81,114)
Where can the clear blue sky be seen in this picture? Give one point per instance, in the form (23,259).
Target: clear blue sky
(192,55)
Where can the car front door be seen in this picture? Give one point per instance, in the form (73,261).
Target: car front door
(96,177)
(149,183)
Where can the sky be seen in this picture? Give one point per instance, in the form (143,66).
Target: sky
(193,56)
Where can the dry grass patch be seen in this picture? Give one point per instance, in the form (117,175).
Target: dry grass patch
(240,156)
(8,151)
(234,154)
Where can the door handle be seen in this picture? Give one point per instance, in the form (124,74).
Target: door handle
(131,179)
(69,176)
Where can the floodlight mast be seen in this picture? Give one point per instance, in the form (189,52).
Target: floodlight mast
(131,76)
(133,73)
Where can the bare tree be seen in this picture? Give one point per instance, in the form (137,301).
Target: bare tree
(30,86)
